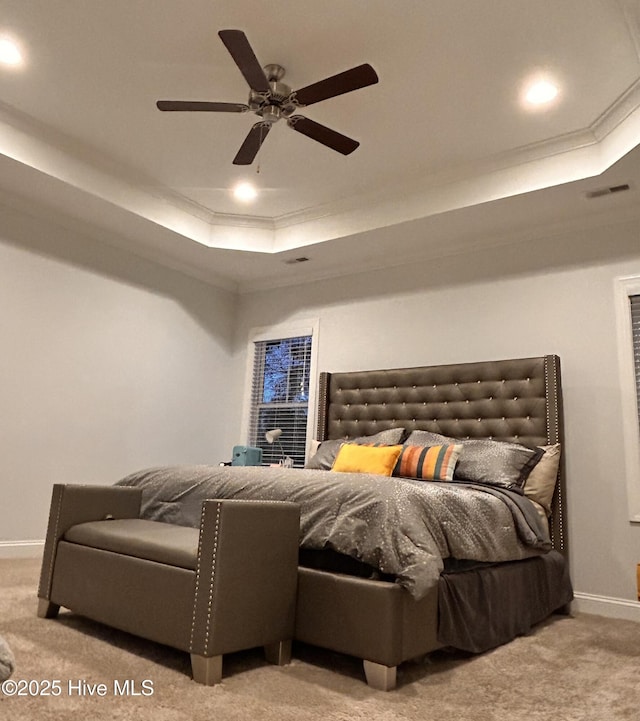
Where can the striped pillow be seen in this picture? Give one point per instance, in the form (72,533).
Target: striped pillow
(434,463)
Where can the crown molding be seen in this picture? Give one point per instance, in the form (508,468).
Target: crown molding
(518,158)
(617,113)
(48,217)
(81,171)
(463,245)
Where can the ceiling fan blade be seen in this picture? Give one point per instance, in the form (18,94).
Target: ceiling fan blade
(252,143)
(238,46)
(201,106)
(326,136)
(345,82)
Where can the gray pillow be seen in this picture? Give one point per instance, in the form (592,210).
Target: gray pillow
(328,450)
(497,463)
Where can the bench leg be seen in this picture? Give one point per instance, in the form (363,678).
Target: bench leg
(382,678)
(206,669)
(278,653)
(46,609)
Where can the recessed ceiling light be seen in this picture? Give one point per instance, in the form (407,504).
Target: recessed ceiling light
(245,192)
(9,52)
(539,92)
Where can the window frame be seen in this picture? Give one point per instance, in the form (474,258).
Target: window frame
(624,288)
(279,332)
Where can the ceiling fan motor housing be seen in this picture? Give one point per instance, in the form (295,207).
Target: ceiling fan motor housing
(278,101)
(270,114)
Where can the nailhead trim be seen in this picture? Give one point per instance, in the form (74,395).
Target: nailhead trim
(213,570)
(213,578)
(551,364)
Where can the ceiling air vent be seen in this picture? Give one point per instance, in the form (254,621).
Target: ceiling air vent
(294,261)
(600,192)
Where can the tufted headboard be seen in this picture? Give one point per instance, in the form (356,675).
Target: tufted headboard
(508,400)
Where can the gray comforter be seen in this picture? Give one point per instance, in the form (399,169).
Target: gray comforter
(401,527)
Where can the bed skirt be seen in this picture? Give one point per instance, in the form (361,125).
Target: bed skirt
(482,608)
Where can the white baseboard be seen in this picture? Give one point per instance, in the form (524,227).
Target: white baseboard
(21,549)
(605,606)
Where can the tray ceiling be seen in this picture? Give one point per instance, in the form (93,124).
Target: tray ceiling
(448,153)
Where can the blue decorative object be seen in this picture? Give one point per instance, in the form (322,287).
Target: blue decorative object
(246,456)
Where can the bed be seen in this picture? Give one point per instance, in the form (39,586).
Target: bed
(384,599)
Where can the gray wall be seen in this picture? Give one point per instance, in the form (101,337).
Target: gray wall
(109,363)
(551,295)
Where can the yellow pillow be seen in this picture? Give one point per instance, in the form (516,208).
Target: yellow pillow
(353,458)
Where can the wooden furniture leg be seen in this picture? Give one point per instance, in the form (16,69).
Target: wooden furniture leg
(46,609)
(382,678)
(206,670)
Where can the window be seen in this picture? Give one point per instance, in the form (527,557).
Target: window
(628,318)
(281,385)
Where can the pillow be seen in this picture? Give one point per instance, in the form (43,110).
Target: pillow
(497,463)
(353,458)
(541,483)
(428,463)
(313,447)
(326,454)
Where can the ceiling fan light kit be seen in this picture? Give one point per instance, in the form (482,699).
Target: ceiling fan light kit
(271,99)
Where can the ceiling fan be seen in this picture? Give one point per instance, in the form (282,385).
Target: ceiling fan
(271,99)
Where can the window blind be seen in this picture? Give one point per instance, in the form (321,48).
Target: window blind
(635,334)
(280,397)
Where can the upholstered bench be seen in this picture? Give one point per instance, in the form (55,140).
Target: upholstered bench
(227,586)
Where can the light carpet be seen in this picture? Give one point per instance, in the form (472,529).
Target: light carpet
(580,668)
